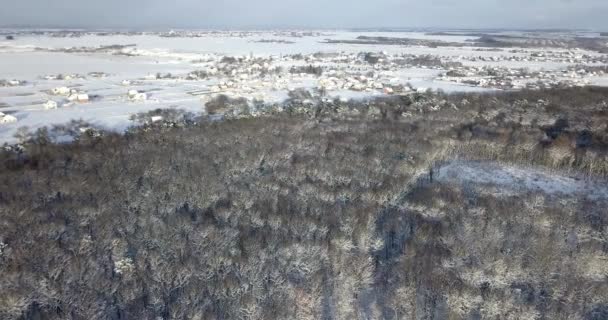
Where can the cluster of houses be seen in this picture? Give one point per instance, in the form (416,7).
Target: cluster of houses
(70,97)
(518,78)
(256,78)
(375,82)
(375,72)
(67,77)
(536,56)
(73,95)
(250,77)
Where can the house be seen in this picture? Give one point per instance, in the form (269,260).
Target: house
(82,97)
(79,97)
(50,105)
(135,95)
(63,91)
(140,97)
(7,118)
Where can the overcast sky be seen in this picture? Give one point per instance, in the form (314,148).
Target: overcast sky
(583,14)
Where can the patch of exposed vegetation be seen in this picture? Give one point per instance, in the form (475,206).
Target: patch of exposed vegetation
(398,41)
(505,41)
(279,41)
(309,69)
(223,104)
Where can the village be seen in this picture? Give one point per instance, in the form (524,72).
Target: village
(255,78)
(263,68)
(375,73)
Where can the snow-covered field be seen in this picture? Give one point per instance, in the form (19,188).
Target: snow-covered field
(501,179)
(33,60)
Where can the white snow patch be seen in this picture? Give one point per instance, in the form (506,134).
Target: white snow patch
(509,179)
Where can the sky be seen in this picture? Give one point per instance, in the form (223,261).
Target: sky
(517,14)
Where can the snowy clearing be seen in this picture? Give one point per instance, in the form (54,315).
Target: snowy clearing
(503,179)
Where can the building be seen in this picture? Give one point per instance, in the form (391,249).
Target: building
(49,105)
(135,95)
(63,91)
(7,118)
(82,97)
(79,97)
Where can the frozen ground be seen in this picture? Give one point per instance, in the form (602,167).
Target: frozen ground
(229,45)
(502,179)
(31,57)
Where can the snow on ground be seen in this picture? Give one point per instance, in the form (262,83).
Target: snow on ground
(31,57)
(31,65)
(230,45)
(509,179)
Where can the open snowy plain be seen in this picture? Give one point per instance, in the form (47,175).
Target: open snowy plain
(51,77)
